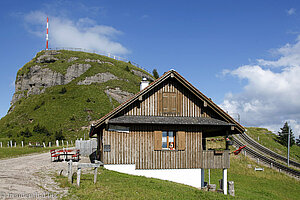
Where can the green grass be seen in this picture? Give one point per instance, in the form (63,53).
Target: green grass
(267,139)
(114,185)
(7,152)
(73,110)
(249,184)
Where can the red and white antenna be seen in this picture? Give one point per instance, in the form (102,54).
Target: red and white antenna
(47,35)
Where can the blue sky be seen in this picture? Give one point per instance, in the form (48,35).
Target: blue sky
(242,54)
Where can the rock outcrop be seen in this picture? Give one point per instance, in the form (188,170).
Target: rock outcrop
(119,95)
(38,78)
(141,74)
(98,78)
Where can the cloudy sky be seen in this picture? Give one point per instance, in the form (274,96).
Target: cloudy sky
(245,55)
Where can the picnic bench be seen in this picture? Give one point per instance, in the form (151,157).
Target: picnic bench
(65,154)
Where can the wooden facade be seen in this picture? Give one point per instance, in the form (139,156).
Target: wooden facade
(169,97)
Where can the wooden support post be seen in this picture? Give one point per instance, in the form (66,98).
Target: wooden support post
(202,177)
(208,176)
(70,173)
(78,176)
(95,175)
(225,181)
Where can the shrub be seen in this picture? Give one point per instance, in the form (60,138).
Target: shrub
(63,90)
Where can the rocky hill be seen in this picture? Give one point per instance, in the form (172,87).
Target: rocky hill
(61,92)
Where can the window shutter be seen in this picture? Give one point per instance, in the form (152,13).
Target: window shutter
(180,140)
(165,102)
(157,140)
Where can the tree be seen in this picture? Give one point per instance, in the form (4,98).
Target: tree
(41,130)
(298,141)
(155,74)
(26,133)
(283,135)
(59,135)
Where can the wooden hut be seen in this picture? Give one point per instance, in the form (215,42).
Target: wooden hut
(165,126)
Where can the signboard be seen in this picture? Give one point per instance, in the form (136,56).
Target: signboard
(106,148)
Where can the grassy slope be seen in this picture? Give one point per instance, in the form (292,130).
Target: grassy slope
(19,151)
(75,108)
(249,184)
(267,139)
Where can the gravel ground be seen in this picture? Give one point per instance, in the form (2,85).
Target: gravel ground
(30,177)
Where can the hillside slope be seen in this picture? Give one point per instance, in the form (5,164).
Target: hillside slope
(60,92)
(268,139)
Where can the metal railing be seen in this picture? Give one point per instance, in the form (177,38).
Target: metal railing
(110,55)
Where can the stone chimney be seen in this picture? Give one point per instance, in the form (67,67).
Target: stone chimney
(144,83)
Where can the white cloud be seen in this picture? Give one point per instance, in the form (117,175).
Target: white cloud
(83,33)
(291,11)
(271,96)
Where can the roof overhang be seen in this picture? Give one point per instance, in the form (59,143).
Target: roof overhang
(168,120)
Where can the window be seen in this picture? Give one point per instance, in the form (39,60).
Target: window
(118,128)
(168,140)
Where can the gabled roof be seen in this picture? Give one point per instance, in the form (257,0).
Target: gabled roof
(185,83)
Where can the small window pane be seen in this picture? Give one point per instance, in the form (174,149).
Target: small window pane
(164,139)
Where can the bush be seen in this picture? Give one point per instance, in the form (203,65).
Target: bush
(26,133)
(63,90)
(155,73)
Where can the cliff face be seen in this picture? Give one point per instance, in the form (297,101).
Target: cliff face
(39,77)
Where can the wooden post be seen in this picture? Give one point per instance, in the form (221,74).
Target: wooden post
(67,144)
(1,144)
(70,173)
(11,143)
(225,181)
(57,143)
(62,142)
(49,144)
(15,144)
(44,144)
(95,175)
(22,143)
(78,176)
(71,142)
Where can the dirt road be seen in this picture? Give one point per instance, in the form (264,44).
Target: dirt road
(30,177)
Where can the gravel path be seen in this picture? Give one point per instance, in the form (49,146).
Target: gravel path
(30,177)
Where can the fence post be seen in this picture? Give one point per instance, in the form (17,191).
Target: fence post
(22,144)
(95,175)
(70,173)
(1,144)
(71,142)
(44,144)
(7,144)
(67,144)
(62,142)
(57,143)
(15,144)
(11,143)
(78,176)
(49,144)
